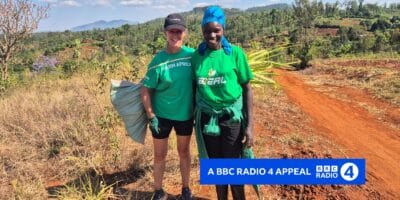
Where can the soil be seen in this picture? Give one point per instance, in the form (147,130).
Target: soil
(327,31)
(352,126)
(368,63)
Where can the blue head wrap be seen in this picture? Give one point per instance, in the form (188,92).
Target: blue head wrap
(215,14)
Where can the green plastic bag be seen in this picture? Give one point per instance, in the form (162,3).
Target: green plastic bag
(125,97)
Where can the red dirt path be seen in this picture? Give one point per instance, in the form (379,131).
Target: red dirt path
(351,126)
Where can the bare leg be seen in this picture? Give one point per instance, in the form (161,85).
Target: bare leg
(160,153)
(184,158)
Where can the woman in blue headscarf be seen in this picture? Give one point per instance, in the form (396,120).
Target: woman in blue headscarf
(224,123)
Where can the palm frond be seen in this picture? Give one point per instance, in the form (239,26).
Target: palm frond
(262,61)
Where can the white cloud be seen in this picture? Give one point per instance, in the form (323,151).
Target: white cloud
(71,3)
(202,4)
(270,2)
(374,1)
(171,5)
(136,2)
(175,2)
(106,3)
(50,1)
(226,1)
(165,7)
(222,3)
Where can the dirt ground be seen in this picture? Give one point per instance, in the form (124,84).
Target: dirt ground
(352,126)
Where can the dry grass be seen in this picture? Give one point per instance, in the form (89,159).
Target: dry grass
(379,79)
(58,130)
(348,22)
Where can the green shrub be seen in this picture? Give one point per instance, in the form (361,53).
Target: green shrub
(69,67)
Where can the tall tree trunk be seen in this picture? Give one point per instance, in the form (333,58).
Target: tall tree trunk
(4,71)
(4,67)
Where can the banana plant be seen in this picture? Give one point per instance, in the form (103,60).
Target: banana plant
(262,61)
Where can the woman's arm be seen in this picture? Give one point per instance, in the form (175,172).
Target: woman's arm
(248,106)
(145,94)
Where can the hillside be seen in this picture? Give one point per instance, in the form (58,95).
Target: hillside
(338,32)
(102,25)
(269,7)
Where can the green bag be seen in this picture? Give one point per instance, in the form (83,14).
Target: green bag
(125,97)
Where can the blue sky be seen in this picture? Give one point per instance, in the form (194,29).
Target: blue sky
(66,14)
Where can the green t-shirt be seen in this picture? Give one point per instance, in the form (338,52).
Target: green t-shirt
(219,76)
(170,77)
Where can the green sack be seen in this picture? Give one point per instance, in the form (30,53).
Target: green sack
(125,97)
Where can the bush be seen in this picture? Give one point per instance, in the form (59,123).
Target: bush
(11,82)
(381,42)
(366,24)
(366,44)
(354,34)
(322,48)
(69,67)
(380,24)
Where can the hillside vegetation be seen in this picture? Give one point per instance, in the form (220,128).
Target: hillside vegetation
(327,31)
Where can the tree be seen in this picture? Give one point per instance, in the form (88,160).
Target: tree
(382,41)
(332,9)
(303,35)
(18,20)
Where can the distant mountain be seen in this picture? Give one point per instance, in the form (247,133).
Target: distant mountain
(269,7)
(102,25)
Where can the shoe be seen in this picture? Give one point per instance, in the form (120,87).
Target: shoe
(186,194)
(159,195)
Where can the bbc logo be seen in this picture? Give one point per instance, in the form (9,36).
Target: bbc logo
(326,168)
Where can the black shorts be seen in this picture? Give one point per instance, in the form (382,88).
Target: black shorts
(182,128)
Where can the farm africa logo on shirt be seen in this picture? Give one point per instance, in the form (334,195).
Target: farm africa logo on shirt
(211,73)
(211,80)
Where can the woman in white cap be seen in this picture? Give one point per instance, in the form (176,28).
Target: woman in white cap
(167,96)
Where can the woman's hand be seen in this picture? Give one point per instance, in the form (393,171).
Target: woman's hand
(248,138)
(153,125)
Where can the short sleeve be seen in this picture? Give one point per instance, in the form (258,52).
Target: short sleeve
(151,78)
(193,61)
(244,72)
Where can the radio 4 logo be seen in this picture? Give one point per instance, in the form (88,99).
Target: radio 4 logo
(349,171)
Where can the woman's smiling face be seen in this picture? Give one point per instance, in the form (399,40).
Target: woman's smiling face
(175,37)
(212,33)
